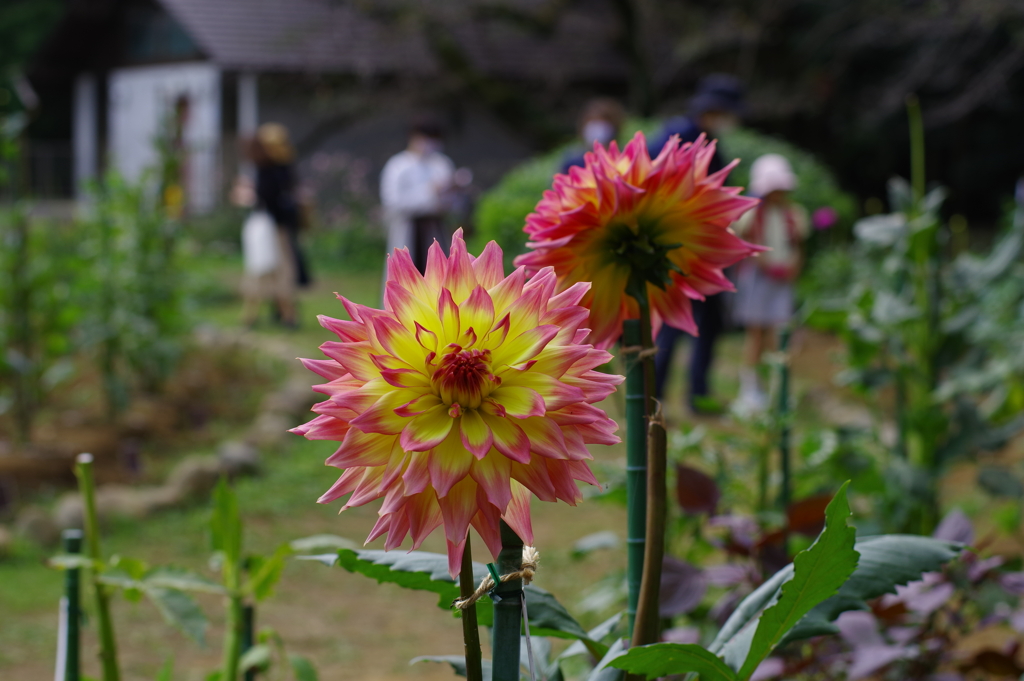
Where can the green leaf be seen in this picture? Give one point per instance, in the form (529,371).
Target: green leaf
(267,572)
(72,561)
(170,577)
(226,523)
(818,573)
(604,671)
(885,562)
(302,668)
(457,662)
(322,542)
(258,657)
(425,571)
(179,610)
(663,659)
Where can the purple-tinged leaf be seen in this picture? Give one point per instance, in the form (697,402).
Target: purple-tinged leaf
(1013,582)
(696,491)
(681,635)
(771,668)
(870,651)
(955,527)
(682,587)
(927,595)
(980,568)
(727,574)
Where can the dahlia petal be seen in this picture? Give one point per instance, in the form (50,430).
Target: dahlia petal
(361,449)
(461,278)
(419,405)
(323,428)
(402,271)
(457,508)
(486,522)
(493,474)
(517,514)
(381,417)
(416,477)
(508,290)
(424,515)
(477,312)
(345,330)
(476,435)
(436,270)
(488,268)
(455,551)
(448,311)
(354,357)
(545,437)
(519,401)
(448,463)
(525,346)
(554,392)
(509,438)
(345,485)
(327,368)
(427,430)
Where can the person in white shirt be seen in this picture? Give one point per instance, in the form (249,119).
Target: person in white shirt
(764,286)
(414,190)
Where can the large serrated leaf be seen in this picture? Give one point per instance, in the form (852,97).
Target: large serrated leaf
(885,562)
(818,573)
(169,577)
(266,572)
(425,571)
(179,610)
(665,659)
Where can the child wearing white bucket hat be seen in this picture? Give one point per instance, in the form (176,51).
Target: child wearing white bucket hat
(764,286)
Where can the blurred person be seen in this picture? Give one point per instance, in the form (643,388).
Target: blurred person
(414,190)
(274,196)
(601,122)
(764,286)
(715,108)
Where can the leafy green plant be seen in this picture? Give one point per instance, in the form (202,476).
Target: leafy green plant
(836,574)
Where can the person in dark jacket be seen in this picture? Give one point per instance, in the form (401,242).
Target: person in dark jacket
(601,120)
(715,108)
(273,157)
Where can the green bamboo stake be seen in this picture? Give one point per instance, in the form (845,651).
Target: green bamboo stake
(108,644)
(72,606)
(508,603)
(636,468)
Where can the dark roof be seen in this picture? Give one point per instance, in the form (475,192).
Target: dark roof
(510,38)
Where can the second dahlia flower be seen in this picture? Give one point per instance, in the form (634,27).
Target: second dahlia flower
(466,394)
(627,223)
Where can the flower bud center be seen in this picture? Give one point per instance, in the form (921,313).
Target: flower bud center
(464,377)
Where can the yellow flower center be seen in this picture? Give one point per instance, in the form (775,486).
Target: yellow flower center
(464,377)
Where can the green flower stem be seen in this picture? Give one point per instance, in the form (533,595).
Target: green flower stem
(108,644)
(73,613)
(470,628)
(636,468)
(646,628)
(508,600)
(234,622)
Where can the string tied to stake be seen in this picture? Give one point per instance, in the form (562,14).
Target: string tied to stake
(640,351)
(531,559)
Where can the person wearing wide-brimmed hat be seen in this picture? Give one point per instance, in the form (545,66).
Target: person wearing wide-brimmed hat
(715,108)
(764,286)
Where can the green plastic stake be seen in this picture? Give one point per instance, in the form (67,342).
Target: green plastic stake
(785,492)
(636,468)
(68,649)
(248,636)
(508,604)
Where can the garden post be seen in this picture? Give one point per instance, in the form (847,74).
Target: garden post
(508,603)
(636,468)
(248,636)
(71,613)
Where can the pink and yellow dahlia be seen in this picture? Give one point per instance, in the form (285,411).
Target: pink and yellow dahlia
(625,215)
(469,391)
